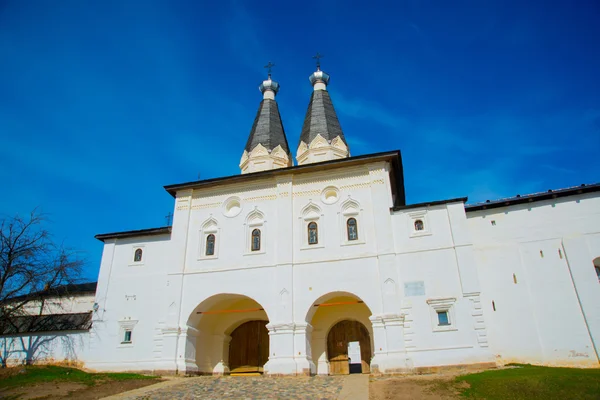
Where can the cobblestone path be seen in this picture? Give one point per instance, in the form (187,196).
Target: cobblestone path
(317,387)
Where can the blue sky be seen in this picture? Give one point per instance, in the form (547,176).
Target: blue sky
(102,103)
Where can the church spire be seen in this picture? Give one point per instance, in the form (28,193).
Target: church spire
(267,146)
(321,138)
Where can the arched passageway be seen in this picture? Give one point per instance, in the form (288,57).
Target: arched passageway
(349,348)
(342,335)
(231,335)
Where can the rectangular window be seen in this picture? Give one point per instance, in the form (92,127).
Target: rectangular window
(443,319)
(127,336)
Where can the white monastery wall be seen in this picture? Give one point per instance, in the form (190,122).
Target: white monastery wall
(77,303)
(398,277)
(130,295)
(436,270)
(536,267)
(47,347)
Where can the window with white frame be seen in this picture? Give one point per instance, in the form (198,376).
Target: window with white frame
(137,255)
(209,239)
(442,314)
(126,328)
(309,221)
(350,223)
(255,232)
(418,224)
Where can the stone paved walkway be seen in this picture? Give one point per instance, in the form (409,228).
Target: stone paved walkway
(207,387)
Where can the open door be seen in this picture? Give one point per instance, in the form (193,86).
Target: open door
(338,339)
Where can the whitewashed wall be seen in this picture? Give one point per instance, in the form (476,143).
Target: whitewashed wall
(535,262)
(48,347)
(401,275)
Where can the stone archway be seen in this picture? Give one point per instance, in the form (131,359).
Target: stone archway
(226,321)
(351,315)
(340,336)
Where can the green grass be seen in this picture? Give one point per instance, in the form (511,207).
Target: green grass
(50,373)
(532,382)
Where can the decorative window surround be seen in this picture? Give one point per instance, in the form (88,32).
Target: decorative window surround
(351,209)
(413,217)
(440,305)
(210,227)
(126,325)
(144,255)
(255,220)
(311,213)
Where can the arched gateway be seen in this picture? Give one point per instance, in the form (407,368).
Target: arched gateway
(230,335)
(342,335)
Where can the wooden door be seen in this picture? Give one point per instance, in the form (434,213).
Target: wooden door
(249,347)
(337,346)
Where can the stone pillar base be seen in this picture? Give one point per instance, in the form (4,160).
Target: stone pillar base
(280,366)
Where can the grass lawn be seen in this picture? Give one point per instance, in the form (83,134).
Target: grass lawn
(532,382)
(38,374)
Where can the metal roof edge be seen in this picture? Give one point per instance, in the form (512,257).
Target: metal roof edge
(430,203)
(533,197)
(127,234)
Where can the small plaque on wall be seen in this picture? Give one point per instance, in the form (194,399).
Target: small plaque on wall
(416,288)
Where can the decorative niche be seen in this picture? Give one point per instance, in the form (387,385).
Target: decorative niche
(330,195)
(232,207)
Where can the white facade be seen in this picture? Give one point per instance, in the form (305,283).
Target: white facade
(432,284)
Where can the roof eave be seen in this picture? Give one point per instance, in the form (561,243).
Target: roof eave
(551,194)
(430,203)
(393,156)
(137,233)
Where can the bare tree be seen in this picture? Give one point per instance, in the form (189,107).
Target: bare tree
(33,267)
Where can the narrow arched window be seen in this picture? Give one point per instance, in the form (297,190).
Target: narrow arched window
(419,225)
(255,240)
(137,256)
(313,233)
(210,245)
(352,229)
(598,273)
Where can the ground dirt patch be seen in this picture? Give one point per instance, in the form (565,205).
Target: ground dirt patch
(425,387)
(74,391)
(51,382)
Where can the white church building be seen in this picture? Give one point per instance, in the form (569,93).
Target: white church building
(322,268)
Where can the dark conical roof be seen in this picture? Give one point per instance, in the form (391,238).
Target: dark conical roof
(267,128)
(321,119)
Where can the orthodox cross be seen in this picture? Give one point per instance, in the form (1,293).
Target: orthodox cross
(317,57)
(269,66)
(169,218)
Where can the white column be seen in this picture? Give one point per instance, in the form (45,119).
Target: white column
(186,349)
(281,350)
(388,337)
(380,344)
(302,350)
